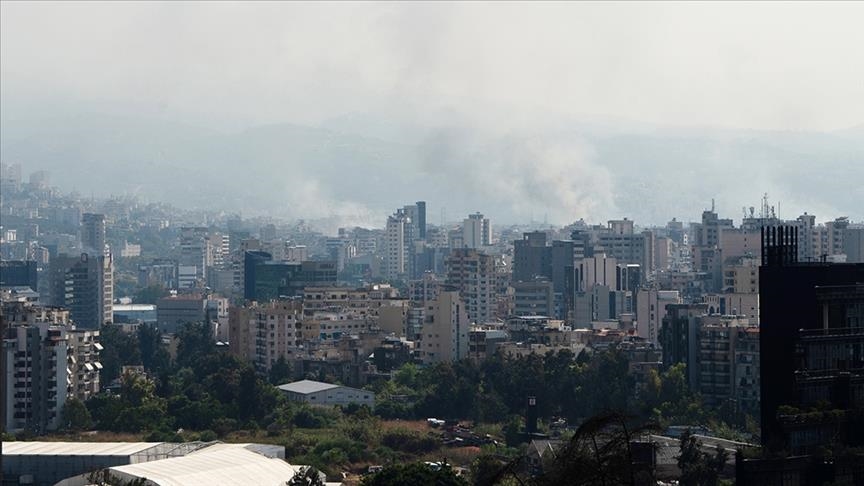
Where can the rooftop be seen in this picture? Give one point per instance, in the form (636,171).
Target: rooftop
(224,464)
(306,386)
(75,448)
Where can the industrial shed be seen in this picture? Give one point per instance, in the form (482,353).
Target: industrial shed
(320,393)
(161,463)
(46,463)
(218,464)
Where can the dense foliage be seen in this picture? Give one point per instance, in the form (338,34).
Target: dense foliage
(565,386)
(415,473)
(205,394)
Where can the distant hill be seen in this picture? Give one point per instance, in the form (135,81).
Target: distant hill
(360,167)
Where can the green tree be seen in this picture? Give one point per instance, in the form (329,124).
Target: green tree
(119,349)
(196,342)
(485,470)
(154,356)
(699,468)
(599,453)
(75,416)
(151,294)
(415,473)
(280,372)
(308,476)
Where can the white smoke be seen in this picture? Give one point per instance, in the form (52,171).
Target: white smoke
(519,177)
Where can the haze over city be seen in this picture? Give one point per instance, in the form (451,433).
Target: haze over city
(492,243)
(548,111)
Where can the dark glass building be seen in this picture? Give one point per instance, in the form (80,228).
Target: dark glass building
(18,273)
(811,345)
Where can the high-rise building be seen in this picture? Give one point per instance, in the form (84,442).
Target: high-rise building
(534,298)
(651,310)
(472,273)
(853,244)
(195,253)
(618,240)
(400,234)
(726,359)
(84,285)
(93,234)
(812,337)
(18,273)
(421,219)
(444,335)
(680,338)
(45,362)
(531,257)
(264,332)
(265,279)
(476,231)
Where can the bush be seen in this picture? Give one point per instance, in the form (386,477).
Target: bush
(207,436)
(404,440)
(224,426)
(393,410)
(414,474)
(353,451)
(365,431)
(315,417)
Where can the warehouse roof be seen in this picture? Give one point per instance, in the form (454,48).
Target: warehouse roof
(304,387)
(218,464)
(75,448)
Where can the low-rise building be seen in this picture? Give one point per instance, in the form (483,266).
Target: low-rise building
(319,393)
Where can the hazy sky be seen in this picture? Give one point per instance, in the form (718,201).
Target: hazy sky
(477,101)
(734,64)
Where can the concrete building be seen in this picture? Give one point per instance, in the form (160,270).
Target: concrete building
(129,250)
(627,247)
(746,387)
(853,244)
(84,351)
(679,337)
(161,272)
(330,327)
(353,302)
(84,285)
(400,234)
(531,257)
(483,341)
(534,298)
(195,251)
(45,362)
(319,393)
(174,311)
(261,333)
(472,273)
(93,234)
(600,269)
(650,311)
(718,358)
(476,231)
(741,276)
(444,336)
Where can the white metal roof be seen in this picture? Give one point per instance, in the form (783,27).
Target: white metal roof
(218,464)
(305,387)
(75,448)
